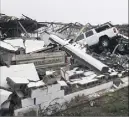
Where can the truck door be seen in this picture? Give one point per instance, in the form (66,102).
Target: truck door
(91,38)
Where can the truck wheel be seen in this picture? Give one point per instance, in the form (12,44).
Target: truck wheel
(104,41)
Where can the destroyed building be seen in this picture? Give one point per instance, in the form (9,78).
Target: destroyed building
(40,75)
(14,27)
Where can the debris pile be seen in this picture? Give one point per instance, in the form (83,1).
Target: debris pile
(45,64)
(21,88)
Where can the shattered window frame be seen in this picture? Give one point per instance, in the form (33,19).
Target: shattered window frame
(102,28)
(80,37)
(89,33)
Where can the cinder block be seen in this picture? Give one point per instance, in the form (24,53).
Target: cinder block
(27,102)
(40,92)
(42,99)
(58,94)
(54,88)
(50,97)
(57,87)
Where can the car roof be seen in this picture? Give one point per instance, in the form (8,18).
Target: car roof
(95,27)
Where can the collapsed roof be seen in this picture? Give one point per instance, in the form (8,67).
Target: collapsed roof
(11,27)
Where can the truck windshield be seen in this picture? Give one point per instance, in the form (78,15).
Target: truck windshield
(89,33)
(80,37)
(102,28)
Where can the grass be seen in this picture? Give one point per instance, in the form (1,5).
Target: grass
(113,104)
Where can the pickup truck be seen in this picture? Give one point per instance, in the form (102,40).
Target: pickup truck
(100,35)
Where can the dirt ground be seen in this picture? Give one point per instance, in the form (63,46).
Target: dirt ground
(113,104)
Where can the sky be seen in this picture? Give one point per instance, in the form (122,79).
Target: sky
(83,11)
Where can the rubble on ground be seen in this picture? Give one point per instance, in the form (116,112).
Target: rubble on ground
(42,65)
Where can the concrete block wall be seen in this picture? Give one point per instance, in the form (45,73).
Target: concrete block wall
(40,97)
(62,99)
(53,92)
(43,95)
(58,94)
(58,97)
(27,102)
(38,92)
(53,88)
(125,80)
(45,91)
(89,91)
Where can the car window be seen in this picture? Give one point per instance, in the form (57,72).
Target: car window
(102,28)
(80,37)
(89,33)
